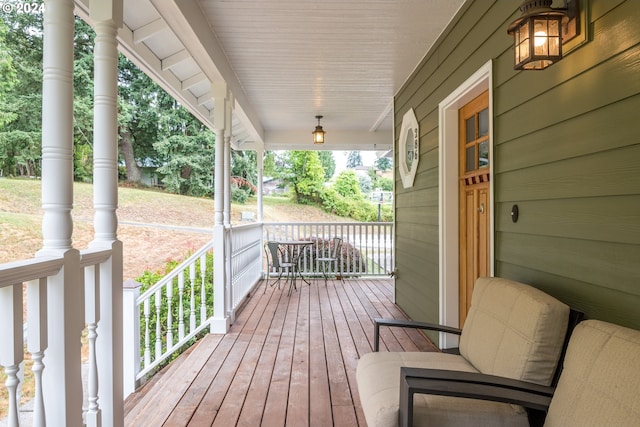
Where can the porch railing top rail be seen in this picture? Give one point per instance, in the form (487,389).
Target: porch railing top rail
(175,272)
(30,269)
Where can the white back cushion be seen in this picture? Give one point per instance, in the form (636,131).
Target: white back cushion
(514,330)
(600,381)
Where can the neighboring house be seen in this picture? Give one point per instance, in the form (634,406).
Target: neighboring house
(272,186)
(564,161)
(149,176)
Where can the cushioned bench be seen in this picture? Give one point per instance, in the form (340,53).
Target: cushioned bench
(599,384)
(512,330)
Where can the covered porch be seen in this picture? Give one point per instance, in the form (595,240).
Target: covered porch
(287,360)
(256,74)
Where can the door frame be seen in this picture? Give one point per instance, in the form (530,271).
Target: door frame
(448,188)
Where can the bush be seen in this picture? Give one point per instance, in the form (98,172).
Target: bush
(239,195)
(352,260)
(358,209)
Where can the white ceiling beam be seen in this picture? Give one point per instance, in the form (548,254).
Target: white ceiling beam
(203,99)
(382,117)
(193,80)
(193,30)
(175,59)
(148,30)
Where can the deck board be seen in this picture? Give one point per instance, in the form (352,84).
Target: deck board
(286,361)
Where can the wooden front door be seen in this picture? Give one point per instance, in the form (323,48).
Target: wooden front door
(474,197)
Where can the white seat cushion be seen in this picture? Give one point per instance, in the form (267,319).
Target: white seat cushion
(378,376)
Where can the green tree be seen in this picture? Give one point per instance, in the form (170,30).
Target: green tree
(348,185)
(383,164)
(9,77)
(385,184)
(139,118)
(304,172)
(186,150)
(269,164)
(328,164)
(84,37)
(354,159)
(20,92)
(243,164)
(366,183)
(21,97)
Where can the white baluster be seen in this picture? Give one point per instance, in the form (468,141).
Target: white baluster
(37,341)
(147,344)
(93,409)
(92,317)
(169,315)
(12,388)
(181,305)
(158,302)
(12,349)
(192,301)
(38,399)
(203,290)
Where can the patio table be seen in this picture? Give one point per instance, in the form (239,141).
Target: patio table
(294,250)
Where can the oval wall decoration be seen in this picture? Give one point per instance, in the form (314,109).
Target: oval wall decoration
(409,148)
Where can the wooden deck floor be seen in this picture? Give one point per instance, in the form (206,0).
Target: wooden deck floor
(287,361)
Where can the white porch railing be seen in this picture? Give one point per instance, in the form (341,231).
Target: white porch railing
(367,247)
(36,274)
(174,310)
(245,262)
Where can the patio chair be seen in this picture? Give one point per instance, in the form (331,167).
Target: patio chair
(331,256)
(277,262)
(512,330)
(598,386)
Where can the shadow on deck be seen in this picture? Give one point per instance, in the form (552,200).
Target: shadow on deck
(285,361)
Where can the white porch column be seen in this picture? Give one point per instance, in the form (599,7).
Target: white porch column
(227,178)
(107,18)
(220,322)
(227,159)
(260,167)
(62,384)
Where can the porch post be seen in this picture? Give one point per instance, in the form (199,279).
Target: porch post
(220,321)
(62,383)
(227,163)
(260,167)
(107,18)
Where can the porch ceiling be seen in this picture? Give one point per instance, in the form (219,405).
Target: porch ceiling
(286,61)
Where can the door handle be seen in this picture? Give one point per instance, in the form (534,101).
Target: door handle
(481,208)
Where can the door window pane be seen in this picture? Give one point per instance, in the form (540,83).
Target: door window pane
(471,129)
(483,122)
(483,154)
(470,159)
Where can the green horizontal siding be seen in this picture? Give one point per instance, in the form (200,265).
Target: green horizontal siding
(566,150)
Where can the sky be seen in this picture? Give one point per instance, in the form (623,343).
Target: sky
(368,159)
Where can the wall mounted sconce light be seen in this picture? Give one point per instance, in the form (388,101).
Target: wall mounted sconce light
(540,32)
(318,133)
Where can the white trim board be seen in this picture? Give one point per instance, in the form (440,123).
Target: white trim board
(480,81)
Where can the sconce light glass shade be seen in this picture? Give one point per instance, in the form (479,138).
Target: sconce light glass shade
(318,133)
(538,34)
(537,42)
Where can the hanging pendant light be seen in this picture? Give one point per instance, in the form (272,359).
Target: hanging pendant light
(318,133)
